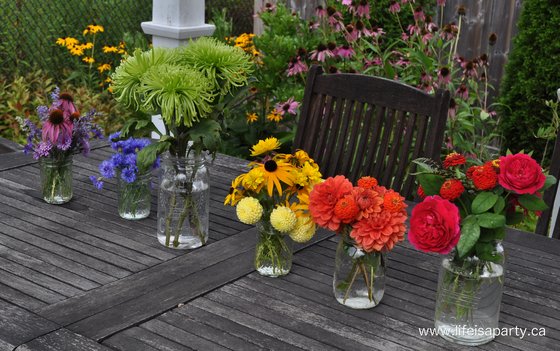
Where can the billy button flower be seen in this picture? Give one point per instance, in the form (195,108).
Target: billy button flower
(249,210)
(451,189)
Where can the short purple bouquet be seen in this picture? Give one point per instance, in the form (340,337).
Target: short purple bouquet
(134,185)
(63,130)
(123,162)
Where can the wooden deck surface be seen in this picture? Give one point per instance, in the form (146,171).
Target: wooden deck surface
(78,277)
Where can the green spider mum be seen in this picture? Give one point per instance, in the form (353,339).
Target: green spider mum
(127,78)
(182,94)
(226,66)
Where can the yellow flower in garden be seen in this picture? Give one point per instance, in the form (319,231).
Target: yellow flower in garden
(87,45)
(276,172)
(61,41)
(249,210)
(496,163)
(88,59)
(92,29)
(71,42)
(283,219)
(265,146)
(274,116)
(252,117)
(76,50)
(104,67)
(253,180)
(109,49)
(304,229)
(108,80)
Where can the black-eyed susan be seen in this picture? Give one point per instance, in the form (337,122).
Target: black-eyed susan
(275,172)
(252,117)
(265,146)
(109,49)
(88,59)
(104,67)
(274,116)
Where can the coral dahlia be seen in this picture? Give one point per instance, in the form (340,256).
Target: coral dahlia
(323,199)
(346,209)
(380,231)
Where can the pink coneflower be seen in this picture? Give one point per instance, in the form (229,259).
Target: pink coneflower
(321,53)
(469,69)
(57,129)
(347,2)
(426,78)
(296,66)
(335,19)
(419,14)
(289,106)
(320,11)
(462,92)
(313,25)
(394,7)
(444,76)
(268,7)
(404,36)
(426,37)
(441,3)
(412,29)
(66,104)
(452,111)
(351,33)
(483,60)
(361,30)
(375,62)
(344,51)
(363,9)
(449,31)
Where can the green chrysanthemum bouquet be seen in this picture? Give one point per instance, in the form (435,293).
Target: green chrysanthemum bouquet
(190,87)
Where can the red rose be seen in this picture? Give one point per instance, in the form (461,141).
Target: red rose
(434,225)
(521,174)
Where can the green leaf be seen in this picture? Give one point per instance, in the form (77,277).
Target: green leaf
(207,134)
(484,115)
(470,232)
(500,205)
(483,202)
(491,220)
(550,181)
(532,202)
(147,156)
(486,251)
(431,183)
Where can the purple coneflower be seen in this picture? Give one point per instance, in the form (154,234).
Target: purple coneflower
(363,9)
(394,7)
(351,34)
(320,11)
(444,76)
(344,51)
(419,14)
(57,129)
(412,29)
(449,31)
(452,111)
(462,92)
(296,66)
(375,62)
(321,53)
(335,19)
(441,3)
(66,104)
(289,106)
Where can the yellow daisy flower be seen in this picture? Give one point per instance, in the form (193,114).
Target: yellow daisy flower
(274,116)
(87,45)
(265,146)
(104,67)
(235,195)
(109,49)
(253,180)
(76,50)
(252,117)
(308,175)
(61,41)
(69,42)
(276,172)
(88,59)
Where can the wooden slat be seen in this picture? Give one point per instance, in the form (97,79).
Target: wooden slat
(62,340)
(18,326)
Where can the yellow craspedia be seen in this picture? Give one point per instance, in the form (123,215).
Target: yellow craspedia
(249,210)
(283,219)
(304,230)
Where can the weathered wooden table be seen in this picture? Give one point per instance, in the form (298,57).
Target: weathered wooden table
(77,277)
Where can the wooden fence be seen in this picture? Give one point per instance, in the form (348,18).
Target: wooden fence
(482,18)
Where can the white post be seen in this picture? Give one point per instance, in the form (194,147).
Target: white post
(173,23)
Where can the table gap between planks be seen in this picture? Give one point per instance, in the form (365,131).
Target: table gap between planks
(78,277)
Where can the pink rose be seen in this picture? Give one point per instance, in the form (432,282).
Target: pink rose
(521,174)
(434,225)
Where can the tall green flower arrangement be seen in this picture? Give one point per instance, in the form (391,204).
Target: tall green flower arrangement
(190,87)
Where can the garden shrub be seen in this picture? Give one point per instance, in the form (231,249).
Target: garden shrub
(532,76)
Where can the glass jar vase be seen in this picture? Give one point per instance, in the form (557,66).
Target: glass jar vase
(274,251)
(134,198)
(468,298)
(56,179)
(359,276)
(183,202)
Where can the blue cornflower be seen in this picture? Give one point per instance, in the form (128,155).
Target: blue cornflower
(128,174)
(106,169)
(129,160)
(157,163)
(97,183)
(115,144)
(118,160)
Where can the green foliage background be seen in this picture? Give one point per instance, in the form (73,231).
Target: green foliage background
(532,76)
